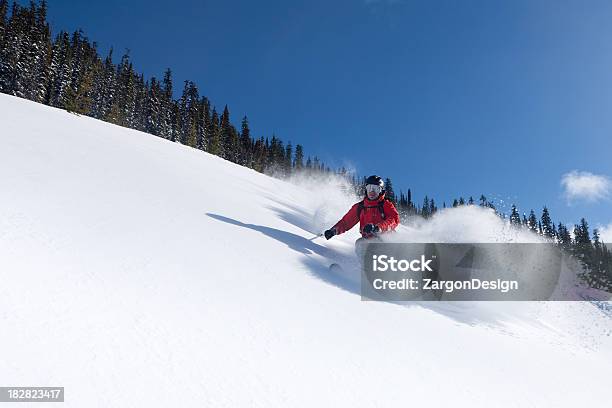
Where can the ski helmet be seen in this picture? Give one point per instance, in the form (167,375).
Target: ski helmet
(377,181)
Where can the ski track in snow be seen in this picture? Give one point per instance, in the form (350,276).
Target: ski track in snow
(139,272)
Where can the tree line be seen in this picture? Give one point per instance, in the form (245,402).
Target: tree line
(67,72)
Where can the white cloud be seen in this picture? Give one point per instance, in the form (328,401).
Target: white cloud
(605,234)
(582,185)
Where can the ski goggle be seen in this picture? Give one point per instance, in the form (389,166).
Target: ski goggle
(373,188)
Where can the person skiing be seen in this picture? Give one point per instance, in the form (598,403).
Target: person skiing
(375,213)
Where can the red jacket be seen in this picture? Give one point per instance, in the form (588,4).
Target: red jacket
(370,214)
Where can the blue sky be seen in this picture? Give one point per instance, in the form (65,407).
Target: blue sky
(448,98)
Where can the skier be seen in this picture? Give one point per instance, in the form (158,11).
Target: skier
(375,213)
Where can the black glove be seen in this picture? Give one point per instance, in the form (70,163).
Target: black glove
(371,229)
(330,233)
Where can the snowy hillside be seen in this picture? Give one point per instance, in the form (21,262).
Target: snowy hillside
(138,272)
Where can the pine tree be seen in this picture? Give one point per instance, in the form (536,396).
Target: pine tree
(581,232)
(288,159)
(214,144)
(152,107)
(104,89)
(582,248)
(563,237)
(260,155)
(206,124)
(409,199)
(122,112)
(166,130)
(60,71)
(532,222)
(597,252)
(425,210)
(547,225)
(189,114)
(38,53)
(245,143)
(3,11)
(15,67)
(228,137)
(298,163)
(25,57)
(274,157)
(79,98)
(515,218)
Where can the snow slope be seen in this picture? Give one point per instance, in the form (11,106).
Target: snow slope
(138,272)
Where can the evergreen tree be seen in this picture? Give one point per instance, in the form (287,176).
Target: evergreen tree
(39,54)
(563,236)
(532,221)
(3,11)
(425,209)
(153,107)
(409,199)
(104,90)
(298,163)
(245,144)
(214,144)
(189,113)
(515,218)
(229,139)
(25,52)
(60,71)
(206,124)
(581,232)
(597,252)
(547,225)
(122,112)
(79,98)
(276,154)
(166,130)
(288,159)
(583,249)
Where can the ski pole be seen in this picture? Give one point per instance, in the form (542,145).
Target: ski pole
(316,236)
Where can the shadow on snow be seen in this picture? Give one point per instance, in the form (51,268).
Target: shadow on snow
(470,313)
